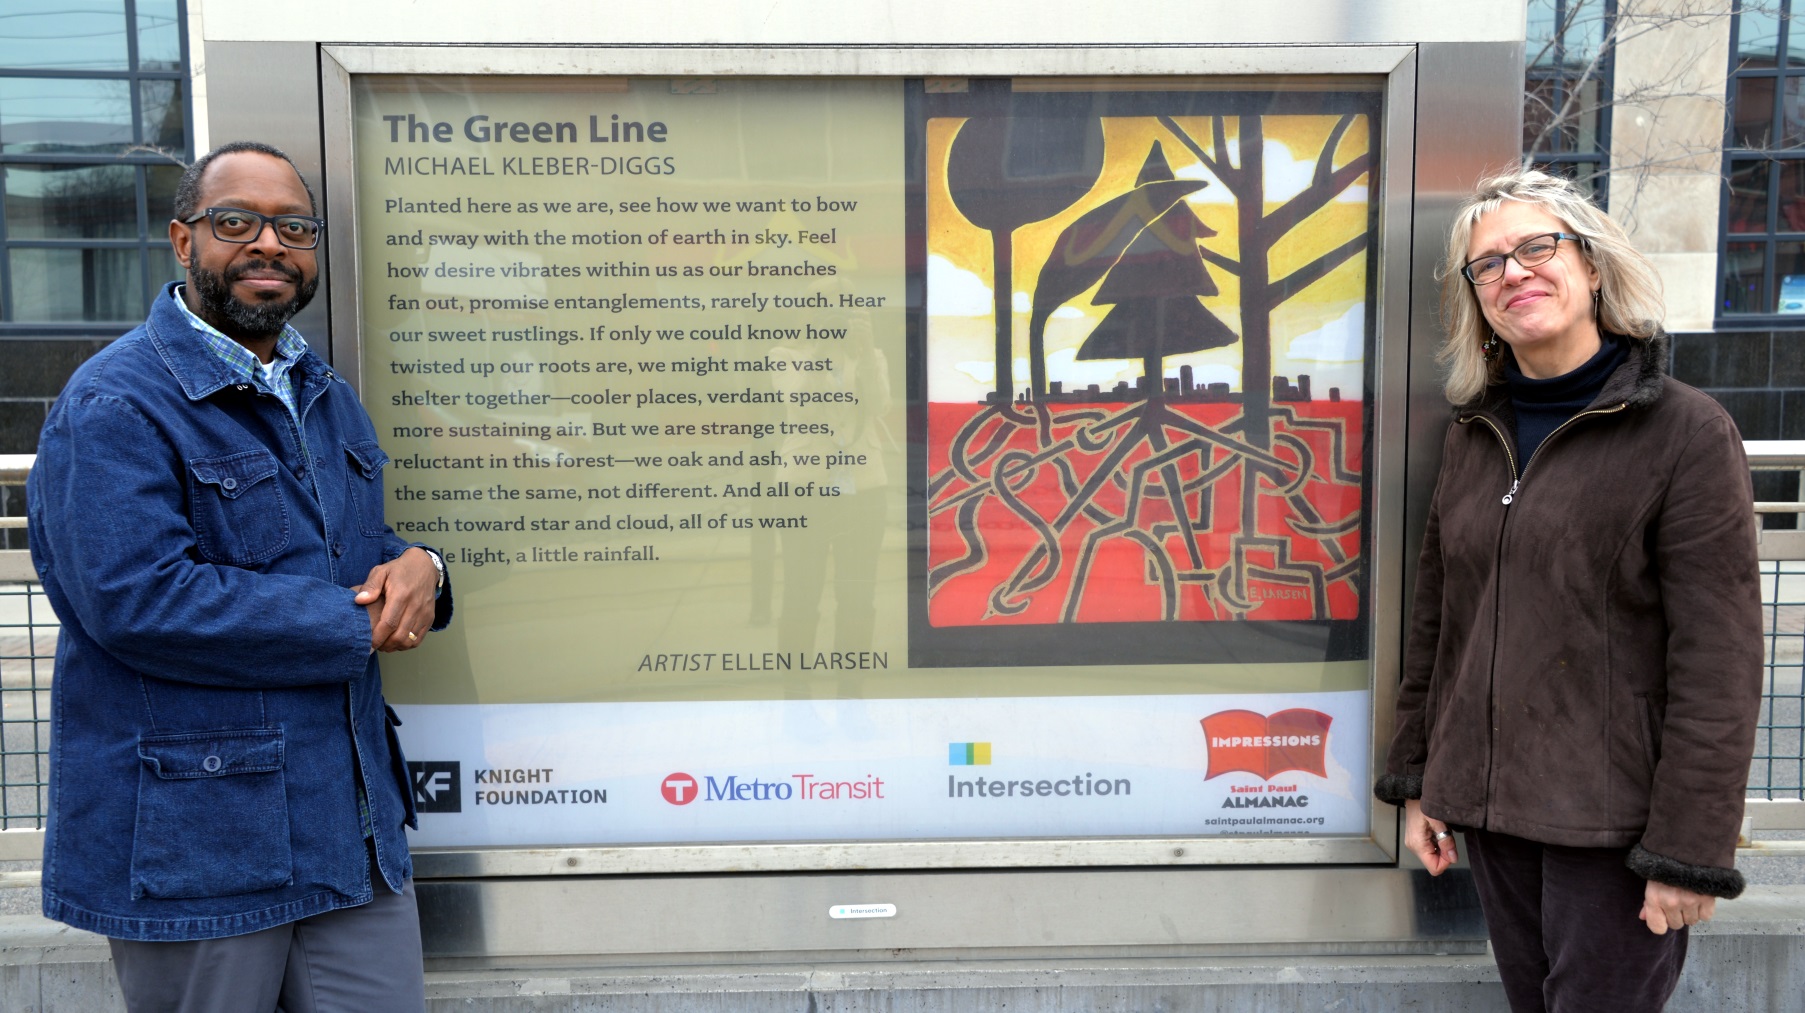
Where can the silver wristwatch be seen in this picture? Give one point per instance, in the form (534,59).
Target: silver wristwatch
(438,563)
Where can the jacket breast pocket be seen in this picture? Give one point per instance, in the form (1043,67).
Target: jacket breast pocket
(212,815)
(239,516)
(364,463)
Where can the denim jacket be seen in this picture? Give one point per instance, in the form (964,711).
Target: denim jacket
(216,707)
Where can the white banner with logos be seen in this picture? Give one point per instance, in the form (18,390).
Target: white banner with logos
(1291,764)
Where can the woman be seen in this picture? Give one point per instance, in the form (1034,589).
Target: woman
(1583,668)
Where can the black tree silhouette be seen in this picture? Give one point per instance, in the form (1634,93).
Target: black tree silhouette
(1154,289)
(999,184)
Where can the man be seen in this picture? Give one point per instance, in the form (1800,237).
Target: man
(206,514)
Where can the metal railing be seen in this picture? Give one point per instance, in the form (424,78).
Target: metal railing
(1777,772)
(28,631)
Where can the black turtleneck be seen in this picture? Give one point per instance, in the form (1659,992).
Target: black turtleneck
(1542,405)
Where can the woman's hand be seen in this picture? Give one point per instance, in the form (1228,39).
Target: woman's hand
(1670,907)
(1420,836)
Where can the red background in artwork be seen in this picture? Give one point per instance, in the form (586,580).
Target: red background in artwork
(1117,587)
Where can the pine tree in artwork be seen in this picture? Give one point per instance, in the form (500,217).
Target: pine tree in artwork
(1154,287)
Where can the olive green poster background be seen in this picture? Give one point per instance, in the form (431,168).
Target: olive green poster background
(636,350)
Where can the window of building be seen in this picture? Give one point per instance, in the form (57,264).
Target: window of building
(1567,90)
(94,129)
(1762,264)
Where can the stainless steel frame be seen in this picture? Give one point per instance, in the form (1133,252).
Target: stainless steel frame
(1004,897)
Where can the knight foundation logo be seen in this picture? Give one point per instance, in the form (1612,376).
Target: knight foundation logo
(1267,745)
(438,785)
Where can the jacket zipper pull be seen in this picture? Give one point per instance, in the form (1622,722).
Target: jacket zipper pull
(1512,493)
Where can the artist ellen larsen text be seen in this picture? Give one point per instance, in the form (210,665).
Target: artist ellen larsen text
(768,661)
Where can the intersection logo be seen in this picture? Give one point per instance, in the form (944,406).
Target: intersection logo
(1265,746)
(968,754)
(678,789)
(438,785)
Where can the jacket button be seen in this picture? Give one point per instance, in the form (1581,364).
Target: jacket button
(229,484)
(338,549)
(210,764)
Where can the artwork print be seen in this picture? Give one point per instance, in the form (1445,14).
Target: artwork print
(1147,344)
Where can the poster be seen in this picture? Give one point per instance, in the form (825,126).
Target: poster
(794,439)
(1147,376)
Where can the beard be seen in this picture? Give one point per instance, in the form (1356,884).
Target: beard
(259,319)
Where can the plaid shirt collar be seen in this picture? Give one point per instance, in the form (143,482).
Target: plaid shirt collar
(243,363)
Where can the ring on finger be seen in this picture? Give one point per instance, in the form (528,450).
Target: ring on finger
(411,637)
(1442,835)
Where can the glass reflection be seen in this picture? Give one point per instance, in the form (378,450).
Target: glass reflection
(1742,278)
(159,203)
(1758,38)
(1539,43)
(1565,32)
(1541,97)
(77,285)
(1752,121)
(159,35)
(1586,23)
(1791,202)
(1747,210)
(63,115)
(165,114)
(1557,121)
(1792,112)
(71,202)
(65,35)
(1789,279)
(164,268)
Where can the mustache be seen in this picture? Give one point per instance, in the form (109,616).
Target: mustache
(237,271)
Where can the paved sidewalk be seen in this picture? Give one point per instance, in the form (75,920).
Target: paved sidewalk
(1751,959)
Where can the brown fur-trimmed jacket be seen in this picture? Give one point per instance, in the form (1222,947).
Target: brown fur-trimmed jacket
(1584,657)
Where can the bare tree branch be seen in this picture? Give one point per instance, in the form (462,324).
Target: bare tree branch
(1325,162)
(1217,163)
(1304,276)
(1314,196)
(1231,266)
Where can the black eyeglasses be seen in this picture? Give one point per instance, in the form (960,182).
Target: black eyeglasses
(236,225)
(1532,252)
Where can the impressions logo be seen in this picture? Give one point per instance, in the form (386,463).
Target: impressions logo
(678,789)
(438,785)
(968,754)
(1265,746)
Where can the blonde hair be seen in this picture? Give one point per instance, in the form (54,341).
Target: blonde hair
(1629,302)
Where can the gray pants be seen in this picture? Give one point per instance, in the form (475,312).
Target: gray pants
(354,960)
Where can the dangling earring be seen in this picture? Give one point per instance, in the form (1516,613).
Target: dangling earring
(1597,301)
(1490,347)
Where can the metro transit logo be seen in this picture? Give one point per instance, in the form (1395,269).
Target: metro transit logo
(678,789)
(682,789)
(1266,746)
